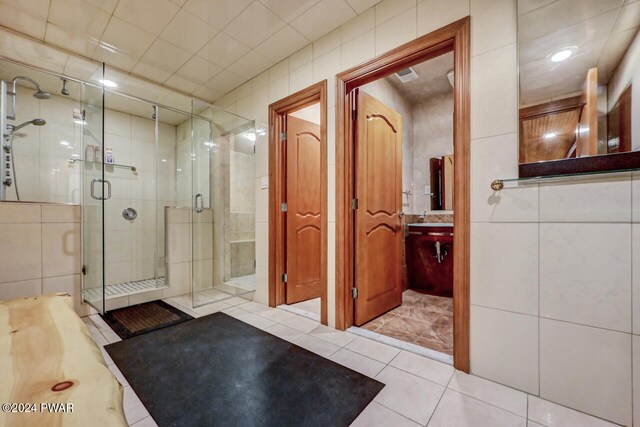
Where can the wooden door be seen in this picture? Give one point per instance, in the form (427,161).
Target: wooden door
(587,144)
(378,249)
(304,211)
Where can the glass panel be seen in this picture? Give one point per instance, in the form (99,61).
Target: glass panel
(202,226)
(130,152)
(91,119)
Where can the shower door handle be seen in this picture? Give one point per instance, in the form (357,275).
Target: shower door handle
(200,208)
(108,188)
(93,189)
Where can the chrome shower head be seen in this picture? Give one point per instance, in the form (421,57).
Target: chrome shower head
(35,122)
(40,94)
(64,90)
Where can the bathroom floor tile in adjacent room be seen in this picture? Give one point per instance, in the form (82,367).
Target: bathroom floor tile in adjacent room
(422,319)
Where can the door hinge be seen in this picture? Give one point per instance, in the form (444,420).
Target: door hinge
(284,278)
(84,270)
(354,293)
(354,203)
(283,207)
(283,136)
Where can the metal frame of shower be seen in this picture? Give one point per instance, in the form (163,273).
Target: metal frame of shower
(156,105)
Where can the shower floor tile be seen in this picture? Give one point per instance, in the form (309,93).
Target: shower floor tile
(422,319)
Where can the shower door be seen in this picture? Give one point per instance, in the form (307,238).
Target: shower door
(202,240)
(91,118)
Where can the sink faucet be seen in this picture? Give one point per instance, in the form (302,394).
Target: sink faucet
(423,215)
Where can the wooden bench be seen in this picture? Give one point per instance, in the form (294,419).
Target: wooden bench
(48,356)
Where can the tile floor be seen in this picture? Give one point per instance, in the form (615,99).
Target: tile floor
(311,306)
(422,319)
(419,391)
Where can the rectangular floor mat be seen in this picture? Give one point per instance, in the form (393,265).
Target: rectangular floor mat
(142,318)
(219,371)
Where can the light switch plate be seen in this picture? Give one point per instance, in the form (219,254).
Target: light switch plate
(264,182)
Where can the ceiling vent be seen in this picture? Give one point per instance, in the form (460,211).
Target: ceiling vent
(406,75)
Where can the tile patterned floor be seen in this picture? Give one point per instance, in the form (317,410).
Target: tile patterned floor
(418,392)
(422,319)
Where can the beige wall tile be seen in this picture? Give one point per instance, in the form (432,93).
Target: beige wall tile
(70,284)
(396,31)
(61,213)
(179,279)
(19,212)
(433,14)
(178,243)
(24,288)
(145,297)
(504,347)
(20,253)
(494,24)
(586,368)
(61,249)
(494,92)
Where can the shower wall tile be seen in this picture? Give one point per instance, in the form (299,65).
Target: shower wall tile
(178,243)
(202,241)
(636,380)
(179,279)
(20,213)
(586,368)
(635,279)
(585,274)
(21,252)
(117,123)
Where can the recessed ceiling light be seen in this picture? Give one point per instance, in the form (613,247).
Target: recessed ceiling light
(108,83)
(562,55)
(549,135)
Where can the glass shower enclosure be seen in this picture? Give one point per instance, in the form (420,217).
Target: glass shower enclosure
(166,184)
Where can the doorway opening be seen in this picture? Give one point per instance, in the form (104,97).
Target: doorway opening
(298,203)
(402,147)
(404,142)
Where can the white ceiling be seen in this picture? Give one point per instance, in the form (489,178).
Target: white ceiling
(200,47)
(432,80)
(602,30)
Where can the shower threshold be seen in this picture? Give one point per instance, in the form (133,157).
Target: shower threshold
(125,289)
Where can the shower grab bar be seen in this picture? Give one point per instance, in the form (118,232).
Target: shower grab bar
(200,208)
(108,188)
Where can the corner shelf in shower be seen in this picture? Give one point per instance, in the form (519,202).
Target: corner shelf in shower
(116,165)
(500,184)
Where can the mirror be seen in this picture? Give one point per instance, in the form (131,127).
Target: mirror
(579,65)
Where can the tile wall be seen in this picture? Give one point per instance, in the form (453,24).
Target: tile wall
(551,277)
(40,251)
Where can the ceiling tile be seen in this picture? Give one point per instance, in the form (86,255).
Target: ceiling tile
(254,24)
(250,65)
(166,56)
(282,44)
(216,12)
(362,5)
(35,8)
(207,93)
(322,18)
(150,15)
(80,68)
(151,72)
(78,16)
(126,38)
(223,50)
(188,32)
(179,2)
(106,5)
(182,84)
(70,40)
(198,70)
(628,18)
(288,10)
(23,22)
(225,81)
(114,58)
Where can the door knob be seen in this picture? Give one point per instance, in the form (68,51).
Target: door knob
(400,213)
